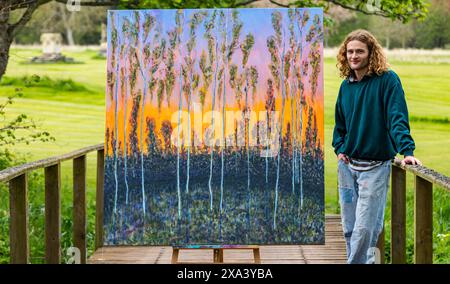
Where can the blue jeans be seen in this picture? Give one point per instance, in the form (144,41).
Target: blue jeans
(362,195)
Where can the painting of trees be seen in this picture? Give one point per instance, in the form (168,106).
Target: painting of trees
(213,127)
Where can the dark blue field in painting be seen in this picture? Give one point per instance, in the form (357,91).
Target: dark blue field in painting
(247,215)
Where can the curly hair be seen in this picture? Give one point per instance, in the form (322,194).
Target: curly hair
(377,60)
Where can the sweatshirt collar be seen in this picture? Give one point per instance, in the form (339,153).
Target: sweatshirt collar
(352,79)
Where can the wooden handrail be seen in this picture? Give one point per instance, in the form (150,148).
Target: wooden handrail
(17,179)
(426,173)
(18,188)
(423,211)
(10,173)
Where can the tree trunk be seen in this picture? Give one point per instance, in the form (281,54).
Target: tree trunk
(5,42)
(69,35)
(8,31)
(67,24)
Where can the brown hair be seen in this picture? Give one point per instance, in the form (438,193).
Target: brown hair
(377,59)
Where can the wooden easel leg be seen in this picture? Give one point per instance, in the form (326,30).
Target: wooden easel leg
(218,256)
(256,255)
(175,252)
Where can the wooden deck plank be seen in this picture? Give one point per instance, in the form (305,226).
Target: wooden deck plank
(332,252)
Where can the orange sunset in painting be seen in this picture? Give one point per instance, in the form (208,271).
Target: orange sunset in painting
(214,127)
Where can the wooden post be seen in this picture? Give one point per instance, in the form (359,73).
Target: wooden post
(18,230)
(175,252)
(257,255)
(398,216)
(380,246)
(218,252)
(79,206)
(218,255)
(423,221)
(53,214)
(99,199)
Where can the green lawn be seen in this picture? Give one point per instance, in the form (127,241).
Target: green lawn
(76,119)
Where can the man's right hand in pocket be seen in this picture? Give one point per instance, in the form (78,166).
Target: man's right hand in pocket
(343,157)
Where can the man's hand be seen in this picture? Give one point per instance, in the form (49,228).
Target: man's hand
(343,157)
(411,161)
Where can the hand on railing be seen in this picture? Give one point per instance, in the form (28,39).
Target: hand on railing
(410,160)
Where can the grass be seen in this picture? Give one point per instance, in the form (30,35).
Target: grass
(74,115)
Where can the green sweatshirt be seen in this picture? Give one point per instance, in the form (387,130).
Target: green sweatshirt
(371,119)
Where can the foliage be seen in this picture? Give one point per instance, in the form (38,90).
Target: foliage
(36,209)
(434,31)
(66,85)
(7,159)
(402,10)
(20,129)
(85,25)
(430,32)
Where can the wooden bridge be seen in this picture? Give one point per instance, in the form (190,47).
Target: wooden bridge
(332,252)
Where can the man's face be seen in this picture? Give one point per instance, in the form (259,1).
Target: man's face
(357,55)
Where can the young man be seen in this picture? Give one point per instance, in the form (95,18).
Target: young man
(371,127)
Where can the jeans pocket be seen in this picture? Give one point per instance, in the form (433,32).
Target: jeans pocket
(382,175)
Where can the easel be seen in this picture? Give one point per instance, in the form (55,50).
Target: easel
(217,251)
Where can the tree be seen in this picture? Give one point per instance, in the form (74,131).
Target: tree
(212,40)
(166,131)
(302,19)
(392,33)
(270,107)
(175,40)
(191,79)
(113,85)
(247,79)
(134,144)
(313,37)
(189,86)
(290,82)
(434,31)
(402,10)
(148,61)
(152,140)
(227,51)
(127,80)
(275,44)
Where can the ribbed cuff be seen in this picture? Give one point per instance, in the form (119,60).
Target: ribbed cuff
(338,150)
(408,153)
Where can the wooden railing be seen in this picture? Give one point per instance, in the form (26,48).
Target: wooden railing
(17,178)
(19,244)
(423,212)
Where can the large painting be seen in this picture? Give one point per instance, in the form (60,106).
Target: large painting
(214,127)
